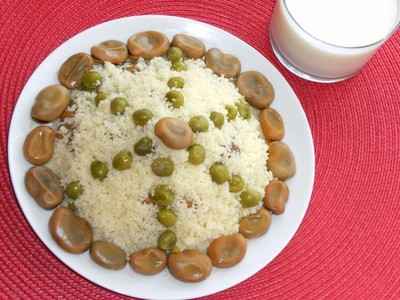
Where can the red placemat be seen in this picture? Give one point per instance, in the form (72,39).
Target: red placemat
(347,246)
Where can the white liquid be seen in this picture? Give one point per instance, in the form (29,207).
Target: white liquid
(317,47)
(347,23)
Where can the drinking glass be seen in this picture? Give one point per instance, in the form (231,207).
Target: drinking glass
(313,59)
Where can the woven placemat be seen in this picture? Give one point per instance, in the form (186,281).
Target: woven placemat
(347,246)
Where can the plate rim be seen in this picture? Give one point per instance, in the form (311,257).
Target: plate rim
(12,125)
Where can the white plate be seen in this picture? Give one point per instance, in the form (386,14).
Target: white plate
(163,286)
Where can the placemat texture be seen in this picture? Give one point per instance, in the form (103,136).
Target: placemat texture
(348,245)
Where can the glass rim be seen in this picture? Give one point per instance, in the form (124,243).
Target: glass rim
(386,37)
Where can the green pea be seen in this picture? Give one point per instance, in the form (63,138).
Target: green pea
(101,96)
(244,110)
(74,189)
(236,184)
(163,195)
(166,217)
(219,173)
(167,240)
(99,170)
(71,205)
(144,146)
(176,82)
(197,154)
(90,80)
(175,54)
(142,116)
(249,198)
(231,112)
(118,105)
(175,98)
(175,250)
(122,160)
(218,119)
(198,124)
(179,66)
(163,166)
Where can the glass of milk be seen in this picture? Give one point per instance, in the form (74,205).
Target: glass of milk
(330,41)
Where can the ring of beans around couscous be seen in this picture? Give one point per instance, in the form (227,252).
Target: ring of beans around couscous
(160,153)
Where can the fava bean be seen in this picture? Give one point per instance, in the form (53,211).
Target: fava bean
(281,160)
(174,133)
(227,251)
(50,103)
(148,44)
(72,70)
(222,64)
(191,46)
(44,186)
(272,125)
(39,145)
(108,255)
(189,265)
(148,261)
(256,88)
(70,232)
(255,225)
(276,196)
(112,51)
